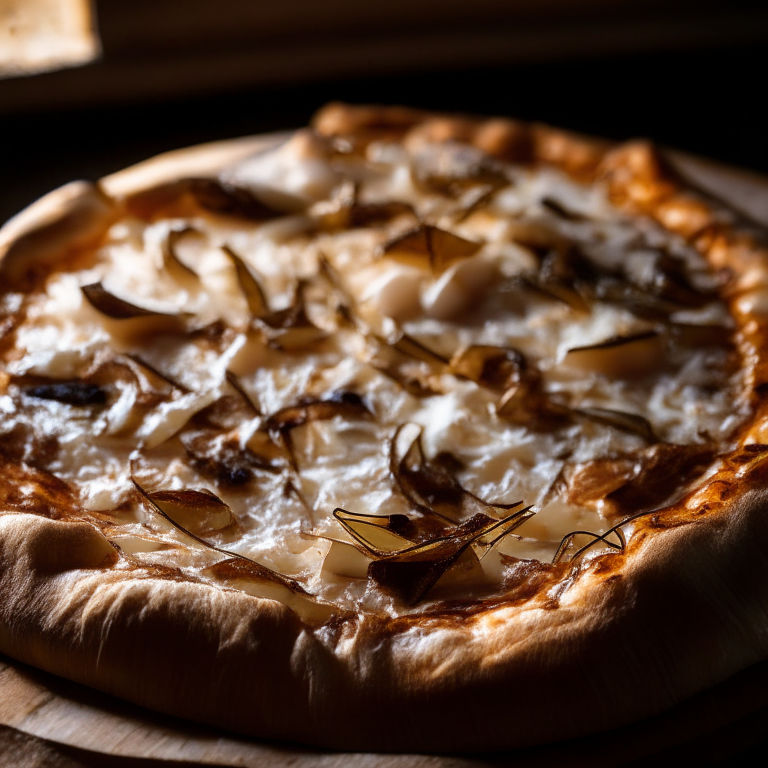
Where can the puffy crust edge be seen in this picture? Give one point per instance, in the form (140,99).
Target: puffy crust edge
(622,637)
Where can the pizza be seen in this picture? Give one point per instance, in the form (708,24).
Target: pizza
(401,432)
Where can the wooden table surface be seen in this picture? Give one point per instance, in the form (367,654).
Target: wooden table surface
(48,722)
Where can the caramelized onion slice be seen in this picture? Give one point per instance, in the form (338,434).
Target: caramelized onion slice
(251,288)
(493,367)
(661,470)
(593,481)
(411,573)
(246,575)
(411,364)
(632,423)
(221,457)
(251,566)
(186,197)
(125,321)
(290,328)
(632,482)
(527,404)
(379,535)
(115,308)
(234,382)
(431,486)
(345,211)
(201,512)
(73,392)
(621,356)
(182,273)
(429,246)
(347,404)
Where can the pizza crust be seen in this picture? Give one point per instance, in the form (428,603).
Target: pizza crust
(606,642)
(625,640)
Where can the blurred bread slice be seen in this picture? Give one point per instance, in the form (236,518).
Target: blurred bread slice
(40,35)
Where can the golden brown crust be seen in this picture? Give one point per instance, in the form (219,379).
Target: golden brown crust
(596,645)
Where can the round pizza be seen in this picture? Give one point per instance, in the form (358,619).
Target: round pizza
(400,432)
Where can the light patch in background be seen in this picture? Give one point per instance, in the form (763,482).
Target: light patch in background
(42,35)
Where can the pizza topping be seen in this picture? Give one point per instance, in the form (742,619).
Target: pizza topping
(77,393)
(627,422)
(429,246)
(182,273)
(200,512)
(622,356)
(335,357)
(431,486)
(411,573)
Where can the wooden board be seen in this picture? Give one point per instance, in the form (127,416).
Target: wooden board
(47,722)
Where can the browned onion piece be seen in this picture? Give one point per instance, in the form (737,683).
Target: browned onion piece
(415,367)
(493,367)
(346,404)
(569,275)
(378,534)
(527,404)
(432,487)
(662,469)
(114,307)
(621,356)
(411,573)
(234,382)
(669,281)
(124,321)
(201,512)
(221,457)
(181,198)
(249,285)
(75,392)
(239,570)
(429,246)
(290,328)
(553,206)
(626,422)
(182,273)
(346,211)
(594,480)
